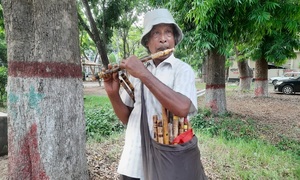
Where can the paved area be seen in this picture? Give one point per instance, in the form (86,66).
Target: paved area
(91,84)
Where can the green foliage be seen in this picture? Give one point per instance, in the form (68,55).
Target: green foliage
(272,31)
(87,45)
(248,159)
(101,120)
(3,83)
(191,57)
(112,58)
(3,48)
(260,29)
(94,102)
(228,63)
(224,126)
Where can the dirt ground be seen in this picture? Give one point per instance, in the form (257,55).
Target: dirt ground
(276,115)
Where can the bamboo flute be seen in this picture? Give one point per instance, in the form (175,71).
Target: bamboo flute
(127,82)
(170,126)
(181,124)
(123,84)
(185,125)
(171,135)
(175,125)
(144,59)
(155,119)
(160,132)
(165,126)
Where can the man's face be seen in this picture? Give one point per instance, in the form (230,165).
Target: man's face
(161,37)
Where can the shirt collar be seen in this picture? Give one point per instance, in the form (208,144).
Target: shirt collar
(170,60)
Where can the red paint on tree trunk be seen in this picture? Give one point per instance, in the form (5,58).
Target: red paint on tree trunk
(28,161)
(44,69)
(259,91)
(245,77)
(213,105)
(261,79)
(215,86)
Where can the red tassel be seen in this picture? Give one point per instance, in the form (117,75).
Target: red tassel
(184,137)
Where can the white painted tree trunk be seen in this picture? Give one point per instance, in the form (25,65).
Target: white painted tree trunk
(261,78)
(261,88)
(215,98)
(246,75)
(45,92)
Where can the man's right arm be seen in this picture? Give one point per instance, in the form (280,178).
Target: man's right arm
(112,87)
(122,111)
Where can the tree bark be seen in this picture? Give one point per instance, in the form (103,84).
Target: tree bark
(215,82)
(261,78)
(46,128)
(246,75)
(204,69)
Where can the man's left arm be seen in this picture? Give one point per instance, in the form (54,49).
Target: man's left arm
(175,100)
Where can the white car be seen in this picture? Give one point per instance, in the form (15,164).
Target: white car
(285,76)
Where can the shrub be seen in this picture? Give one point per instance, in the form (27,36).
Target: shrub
(224,126)
(3,83)
(102,122)
(288,144)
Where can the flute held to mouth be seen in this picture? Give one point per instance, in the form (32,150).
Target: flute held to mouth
(144,59)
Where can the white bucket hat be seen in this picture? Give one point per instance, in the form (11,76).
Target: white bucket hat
(159,16)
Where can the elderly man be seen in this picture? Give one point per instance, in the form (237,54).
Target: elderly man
(168,82)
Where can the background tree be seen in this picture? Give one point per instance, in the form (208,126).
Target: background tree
(130,45)
(279,32)
(212,20)
(100,17)
(129,30)
(93,31)
(46,126)
(269,32)
(87,46)
(265,31)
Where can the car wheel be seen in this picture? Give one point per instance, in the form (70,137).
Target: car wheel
(287,89)
(274,82)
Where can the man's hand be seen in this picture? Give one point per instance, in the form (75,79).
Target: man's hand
(111,82)
(134,66)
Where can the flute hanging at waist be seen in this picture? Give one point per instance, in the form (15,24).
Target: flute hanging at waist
(144,59)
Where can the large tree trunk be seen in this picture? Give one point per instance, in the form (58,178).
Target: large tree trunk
(215,83)
(246,75)
(261,78)
(45,93)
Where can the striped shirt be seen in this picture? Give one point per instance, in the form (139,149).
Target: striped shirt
(175,74)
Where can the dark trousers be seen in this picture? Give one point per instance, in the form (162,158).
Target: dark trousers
(123,177)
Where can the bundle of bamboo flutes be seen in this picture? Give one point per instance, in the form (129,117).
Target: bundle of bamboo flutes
(169,127)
